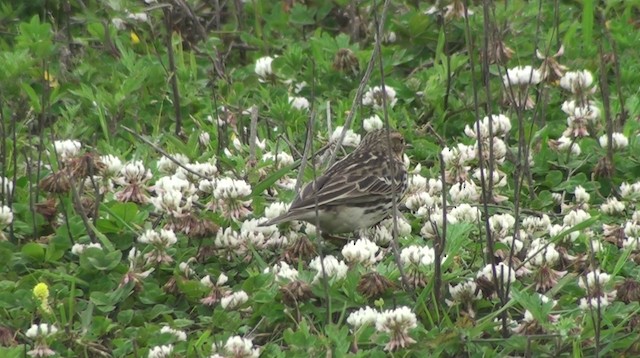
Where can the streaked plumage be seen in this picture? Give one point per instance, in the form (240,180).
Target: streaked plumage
(356,192)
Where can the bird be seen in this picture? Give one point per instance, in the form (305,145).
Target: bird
(356,192)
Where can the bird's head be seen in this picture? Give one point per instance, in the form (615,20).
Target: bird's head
(377,140)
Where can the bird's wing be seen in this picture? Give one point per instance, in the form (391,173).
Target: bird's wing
(335,189)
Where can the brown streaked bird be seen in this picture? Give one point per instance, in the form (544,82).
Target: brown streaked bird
(357,191)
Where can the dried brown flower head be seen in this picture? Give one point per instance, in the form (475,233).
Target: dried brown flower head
(374,285)
(295,292)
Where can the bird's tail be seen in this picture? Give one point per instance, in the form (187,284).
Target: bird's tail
(277,220)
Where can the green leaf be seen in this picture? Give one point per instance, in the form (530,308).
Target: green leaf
(33,251)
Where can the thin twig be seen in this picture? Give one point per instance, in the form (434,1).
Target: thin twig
(173,76)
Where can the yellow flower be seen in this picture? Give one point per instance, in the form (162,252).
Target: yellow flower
(134,38)
(41,291)
(53,82)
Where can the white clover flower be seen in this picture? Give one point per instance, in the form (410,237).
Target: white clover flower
(206,170)
(78,249)
(583,112)
(464,292)
(228,238)
(577,81)
(382,234)
(229,188)
(417,184)
(174,183)
(499,178)
(465,192)
(231,195)
(173,202)
(164,238)
(434,187)
(632,229)
(66,149)
(374,97)
(41,330)
(283,271)
(612,206)
(397,323)
(239,347)
(204,138)
(505,273)
(332,267)
(533,224)
(542,253)
(594,280)
(365,316)
(351,139)
(362,251)
(499,149)
(404,227)
(180,335)
(234,300)
(167,166)
(565,144)
(299,103)
(500,125)
(417,255)
(588,303)
(459,155)
(113,165)
(134,173)
(521,75)
(6,216)
(466,213)
(631,243)
(630,192)
(620,141)
(276,209)
(281,158)
(163,351)
(263,68)
(420,200)
(138,16)
(260,236)
(372,123)
(581,195)
(222,279)
(575,217)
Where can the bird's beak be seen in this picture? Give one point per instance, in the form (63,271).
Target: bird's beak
(408,146)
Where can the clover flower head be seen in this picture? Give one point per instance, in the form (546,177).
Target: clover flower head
(375,97)
(417,255)
(362,251)
(365,316)
(620,141)
(351,139)
(6,216)
(66,149)
(263,68)
(333,268)
(577,82)
(163,351)
(239,347)
(521,76)
(179,334)
(299,103)
(234,300)
(397,323)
